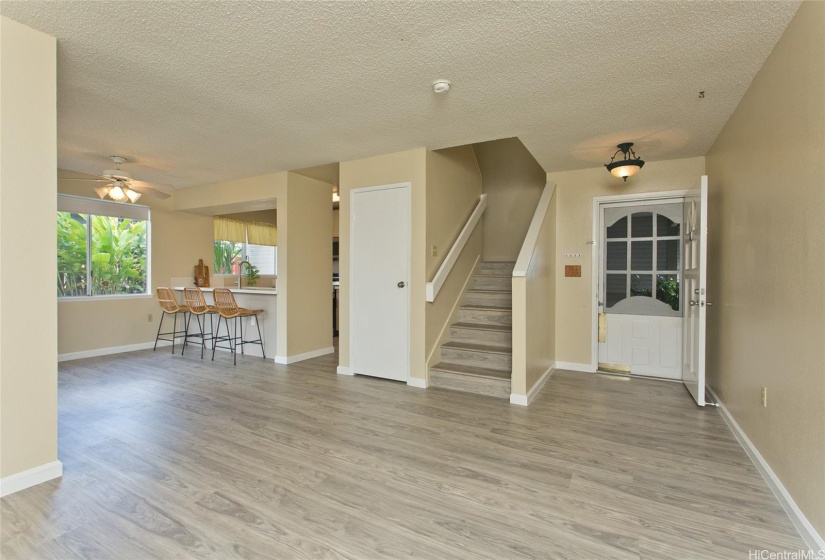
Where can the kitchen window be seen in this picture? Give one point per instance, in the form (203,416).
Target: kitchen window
(102,248)
(238,240)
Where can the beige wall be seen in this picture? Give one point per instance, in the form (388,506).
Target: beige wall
(304,214)
(534,340)
(767,261)
(261,216)
(305,282)
(28,245)
(513,182)
(575,191)
(400,167)
(178,240)
(453,191)
(240,195)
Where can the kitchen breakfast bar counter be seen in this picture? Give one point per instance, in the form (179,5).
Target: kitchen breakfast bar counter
(250,298)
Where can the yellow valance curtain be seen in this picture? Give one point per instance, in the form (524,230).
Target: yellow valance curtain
(227,229)
(262,234)
(239,231)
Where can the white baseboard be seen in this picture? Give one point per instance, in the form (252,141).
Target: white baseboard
(806,530)
(520,400)
(305,356)
(344,370)
(111,350)
(524,400)
(575,366)
(30,477)
(419,382)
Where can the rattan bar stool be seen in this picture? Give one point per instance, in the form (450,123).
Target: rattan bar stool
(200,310)
(170,306)
(228,309)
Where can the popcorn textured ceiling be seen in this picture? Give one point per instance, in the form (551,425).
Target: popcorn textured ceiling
(199,92)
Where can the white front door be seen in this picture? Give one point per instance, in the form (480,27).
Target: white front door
(696,290)
(379,281)
(640,301)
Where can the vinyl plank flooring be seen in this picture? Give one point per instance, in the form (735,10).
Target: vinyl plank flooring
(169,456)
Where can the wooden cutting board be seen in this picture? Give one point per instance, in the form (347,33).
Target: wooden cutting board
(201,274)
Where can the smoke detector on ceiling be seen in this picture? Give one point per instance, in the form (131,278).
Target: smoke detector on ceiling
(441,86)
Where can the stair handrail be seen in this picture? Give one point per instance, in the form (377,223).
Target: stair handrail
(525,256)
(434,286)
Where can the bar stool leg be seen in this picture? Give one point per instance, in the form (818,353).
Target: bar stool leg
(174,330)
(186,320)
(217,334)
(160,326)
(203,335)
(258,324)
(242,340)
(212,327)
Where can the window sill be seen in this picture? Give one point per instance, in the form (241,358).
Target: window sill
(104,298)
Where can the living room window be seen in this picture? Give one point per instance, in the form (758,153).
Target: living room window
(102,248)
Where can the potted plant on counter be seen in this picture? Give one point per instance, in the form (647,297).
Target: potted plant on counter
(252,275)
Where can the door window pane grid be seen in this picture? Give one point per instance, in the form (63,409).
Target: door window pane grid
(652,249)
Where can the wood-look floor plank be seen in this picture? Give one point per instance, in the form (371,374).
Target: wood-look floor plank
(173,457)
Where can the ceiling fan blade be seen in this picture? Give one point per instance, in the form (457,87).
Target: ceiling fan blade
(151,189)
(100,180)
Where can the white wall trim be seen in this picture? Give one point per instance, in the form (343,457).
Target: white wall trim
(111,350)
(440,277)
(305,356)
(575,366)
(806,530)
(344,370)
(524,400)
(419,382)
(31,477)
(520,400)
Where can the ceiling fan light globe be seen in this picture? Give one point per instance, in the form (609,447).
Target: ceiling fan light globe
(102,191)
(133,196)
(116,193)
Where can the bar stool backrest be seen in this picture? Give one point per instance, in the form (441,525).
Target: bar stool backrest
(195,301)
(225,302)
(167,300)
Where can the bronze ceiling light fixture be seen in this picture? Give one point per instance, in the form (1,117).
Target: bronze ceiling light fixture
(629,165)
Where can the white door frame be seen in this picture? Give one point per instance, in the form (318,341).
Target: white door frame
(407,186)
(662,196)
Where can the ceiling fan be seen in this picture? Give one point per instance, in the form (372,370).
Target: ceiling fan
(122,187)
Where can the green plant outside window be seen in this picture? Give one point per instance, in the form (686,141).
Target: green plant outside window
(117,263)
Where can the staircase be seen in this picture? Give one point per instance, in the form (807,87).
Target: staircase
(479,356)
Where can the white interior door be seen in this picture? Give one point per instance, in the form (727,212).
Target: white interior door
(379,281)
(695,266)
(640,301)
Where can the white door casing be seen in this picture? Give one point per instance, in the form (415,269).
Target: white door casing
(379,281)
(695,255)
